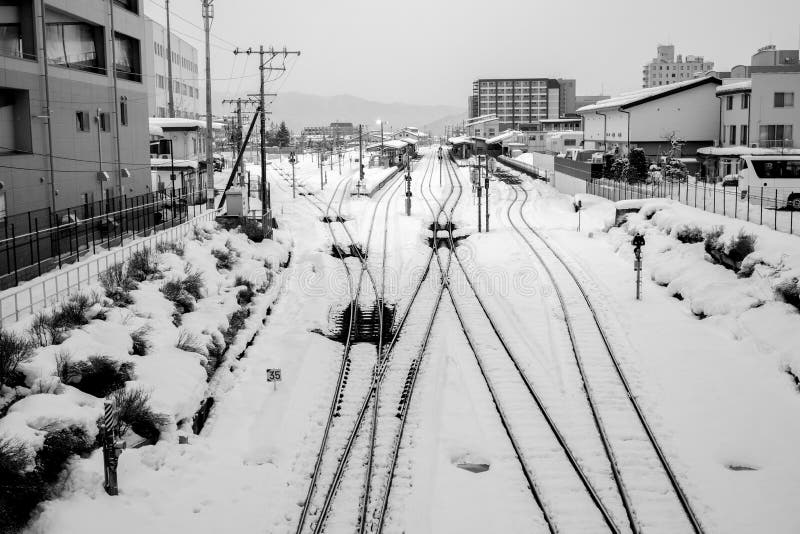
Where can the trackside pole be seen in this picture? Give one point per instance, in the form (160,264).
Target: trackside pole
(638,243)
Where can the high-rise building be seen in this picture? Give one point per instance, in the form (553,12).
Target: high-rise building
(522,100)
(85,139)
(665,69)
(185,73)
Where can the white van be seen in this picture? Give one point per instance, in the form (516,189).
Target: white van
(777,173)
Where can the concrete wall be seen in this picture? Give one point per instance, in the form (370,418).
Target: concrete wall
(77,154)
(566,184)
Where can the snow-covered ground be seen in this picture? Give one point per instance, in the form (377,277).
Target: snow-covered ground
(709,370)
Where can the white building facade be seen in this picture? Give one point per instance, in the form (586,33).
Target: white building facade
(185,73)
(650,118)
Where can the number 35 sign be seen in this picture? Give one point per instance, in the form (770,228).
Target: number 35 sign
(273,375)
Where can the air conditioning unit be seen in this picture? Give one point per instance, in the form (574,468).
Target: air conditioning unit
(102,176)
(753,145)
(163,156)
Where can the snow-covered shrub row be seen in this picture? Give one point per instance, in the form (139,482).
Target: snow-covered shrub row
(761,300)
(118,341)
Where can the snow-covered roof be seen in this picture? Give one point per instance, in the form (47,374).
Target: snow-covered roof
(394,144)
(737,87)
(558,121)
(156,130)
(460,140)
(502,137)
(633,98)
(162,163)
(480,119)
(181,123)
(565,133)
(745,151)
(410,141)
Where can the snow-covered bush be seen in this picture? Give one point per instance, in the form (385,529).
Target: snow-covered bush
(741,246)
(142,265)
(215,351)
(789,291)
(21,489)
(59,446)
(132,406)
(66,368)
(50,328)
(117,284)
(188,342)
(712,240)
(14,350)
(99,375)
(141,340)
(177,247)
(236,323)
(690,234)
(226,258)
(253,230)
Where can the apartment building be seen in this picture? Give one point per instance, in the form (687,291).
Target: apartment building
(185,73)
(93,143)
(518,101)
(665,69)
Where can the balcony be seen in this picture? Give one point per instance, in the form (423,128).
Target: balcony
(776,143)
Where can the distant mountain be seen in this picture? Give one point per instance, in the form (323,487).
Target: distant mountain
(300,109)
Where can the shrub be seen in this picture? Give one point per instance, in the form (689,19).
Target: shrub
(253,230)
(66,369)
(142,264)
(236,323)
(117,284)
(193,283)
(789,291)
(174,291)
(188,342)
(712,241)
(245,295)
(132,407)
(58,447)
(14,350)
(741,246)
(177,248)
(689,234)
(141,340)
(215,350)
(225,258)
(636,170)
(99,375)
(21,490)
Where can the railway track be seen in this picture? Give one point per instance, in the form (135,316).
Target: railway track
(651,492)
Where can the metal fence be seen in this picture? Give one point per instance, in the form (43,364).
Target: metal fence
(54,287)
(760,205)
(36,242)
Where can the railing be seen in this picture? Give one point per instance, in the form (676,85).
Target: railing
(54,287)
(760,205)
(34,243)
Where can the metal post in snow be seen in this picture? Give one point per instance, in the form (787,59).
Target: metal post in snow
(776,209)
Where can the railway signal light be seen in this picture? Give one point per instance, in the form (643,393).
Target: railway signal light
(638,242)
(578,205)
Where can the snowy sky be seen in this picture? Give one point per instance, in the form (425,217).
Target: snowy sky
(443,45)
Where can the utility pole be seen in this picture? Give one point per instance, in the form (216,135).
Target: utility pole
(169,64)
(208,15)
(487,189)
(360,159)
(263,65)
(478,184)
(239,102)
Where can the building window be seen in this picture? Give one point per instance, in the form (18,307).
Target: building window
(17,34)
(784,100)
(82,121)
(130,5)
(775,135)
(105,122)
(3,212)
(745,101)
(729,102)
(10,42)
(76,45)
(123,110)
(732,134)
(743,134)
(128,63)
(15,121)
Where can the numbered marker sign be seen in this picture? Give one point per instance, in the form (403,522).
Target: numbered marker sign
(273,375)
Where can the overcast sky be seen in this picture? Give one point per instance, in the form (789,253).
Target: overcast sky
(429,51)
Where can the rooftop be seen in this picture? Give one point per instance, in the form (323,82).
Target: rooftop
(633,98)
